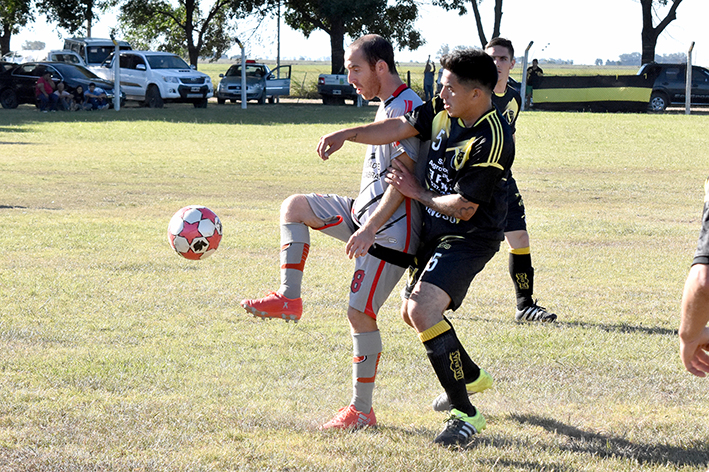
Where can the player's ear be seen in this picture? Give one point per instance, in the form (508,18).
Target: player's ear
(381,67)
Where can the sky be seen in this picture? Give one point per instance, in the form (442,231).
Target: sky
(581,31)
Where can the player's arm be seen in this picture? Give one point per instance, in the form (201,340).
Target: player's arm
(362,239)
(454,205)
(377,133)
(693,331)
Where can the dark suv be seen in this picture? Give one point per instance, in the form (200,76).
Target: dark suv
(669,86)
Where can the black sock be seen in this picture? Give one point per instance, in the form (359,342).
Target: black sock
(444,352)
(471,371)
(522,274)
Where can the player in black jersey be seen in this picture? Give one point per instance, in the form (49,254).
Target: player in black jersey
(465,199)
(508,101)
(693,330)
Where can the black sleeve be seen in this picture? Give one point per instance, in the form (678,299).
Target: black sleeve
(478,184)
(421,117)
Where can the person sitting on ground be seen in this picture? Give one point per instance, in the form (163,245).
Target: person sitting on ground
(44,90)
(79,99)
(96,97)
(65,100)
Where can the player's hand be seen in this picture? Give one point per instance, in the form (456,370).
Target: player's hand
(403,180)
(329,144)
(359,243)
(695,354)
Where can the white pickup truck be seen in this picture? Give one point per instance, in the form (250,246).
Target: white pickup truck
(334,89)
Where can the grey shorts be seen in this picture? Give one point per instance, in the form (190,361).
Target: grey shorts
(373,279)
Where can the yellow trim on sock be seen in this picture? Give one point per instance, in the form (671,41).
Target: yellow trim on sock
(435,330)
(521,251)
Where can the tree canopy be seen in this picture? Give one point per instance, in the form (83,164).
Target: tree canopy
(338,18)
(74,16)
(14,14)
(461,6)
(185,29)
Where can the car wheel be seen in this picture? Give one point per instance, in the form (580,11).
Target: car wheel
(658,101)
(232,100)
(201,103)
(221,101)
(272,99)
(8,99)
(262,99)
(153,98)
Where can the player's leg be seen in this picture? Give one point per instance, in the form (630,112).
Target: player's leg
(372,282)
(366,351)
(298,214)
(520,258)
(443,285)
(443,348)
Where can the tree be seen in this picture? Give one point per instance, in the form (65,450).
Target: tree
(74,16)
(650,33)
(461,6)
(338,18)
(14,14)
(33,45)
(184,29)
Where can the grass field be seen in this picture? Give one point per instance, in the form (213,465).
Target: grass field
(118,355)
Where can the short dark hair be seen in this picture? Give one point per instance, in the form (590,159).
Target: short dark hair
(92,84)
(375,48)
(504,42)
(472,67)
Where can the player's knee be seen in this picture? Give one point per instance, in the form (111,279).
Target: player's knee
(292,209)
(517,239)
(405,314)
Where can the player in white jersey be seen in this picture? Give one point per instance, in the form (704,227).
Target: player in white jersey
(379,224)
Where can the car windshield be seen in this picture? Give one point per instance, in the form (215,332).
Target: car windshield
(166,62)
(68,58)
(75,71)
(251,71)
(96,54)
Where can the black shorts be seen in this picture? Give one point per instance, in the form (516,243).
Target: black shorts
(516,218)
(451,265)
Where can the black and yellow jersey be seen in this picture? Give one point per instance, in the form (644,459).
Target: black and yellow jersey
(472,162)
(509,104)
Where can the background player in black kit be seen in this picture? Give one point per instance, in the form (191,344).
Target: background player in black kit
(508,101)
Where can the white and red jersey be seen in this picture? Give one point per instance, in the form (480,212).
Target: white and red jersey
(375,167)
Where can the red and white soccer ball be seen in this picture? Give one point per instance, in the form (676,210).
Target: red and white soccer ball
(194,232)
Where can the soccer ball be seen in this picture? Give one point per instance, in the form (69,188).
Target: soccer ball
(194,232)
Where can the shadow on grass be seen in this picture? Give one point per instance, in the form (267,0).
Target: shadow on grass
(290,113)
(622,328)
(609,447)
(610,328)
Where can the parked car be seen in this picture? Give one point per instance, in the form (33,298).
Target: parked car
(669,87)
(334,89)
(6,66)
(67,56)
(262,83)
(17,85)
(93,51)
(158,77)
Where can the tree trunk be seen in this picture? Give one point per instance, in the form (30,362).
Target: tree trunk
(649,33)
(498,19)
(192,51)
(89,17)
(337,45)
(5,36)
(479,23)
